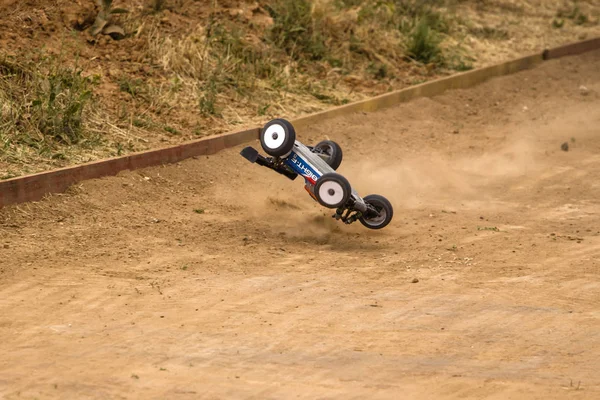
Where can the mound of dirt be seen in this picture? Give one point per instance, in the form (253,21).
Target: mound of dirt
(183,69)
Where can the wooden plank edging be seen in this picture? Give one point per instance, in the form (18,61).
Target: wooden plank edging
(572,49)
(34,187)
(429,89)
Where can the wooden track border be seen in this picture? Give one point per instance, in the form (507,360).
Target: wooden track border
(34,187)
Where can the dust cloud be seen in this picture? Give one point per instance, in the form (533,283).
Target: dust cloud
(436,179)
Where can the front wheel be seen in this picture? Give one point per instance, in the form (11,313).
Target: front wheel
(380,213)
(277,138)
(332,190)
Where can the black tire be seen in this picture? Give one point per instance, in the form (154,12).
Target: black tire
(385,209)
(332,190)
(277,138)
(330,151)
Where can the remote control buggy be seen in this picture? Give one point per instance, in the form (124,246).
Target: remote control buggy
(317,165)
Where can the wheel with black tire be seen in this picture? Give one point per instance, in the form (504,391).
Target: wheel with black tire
(330,151)
(332,190)
(277,138)
(383,215)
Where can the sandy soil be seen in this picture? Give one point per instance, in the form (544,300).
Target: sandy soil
(486,284)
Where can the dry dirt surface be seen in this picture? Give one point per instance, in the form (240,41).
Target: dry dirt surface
(215,278)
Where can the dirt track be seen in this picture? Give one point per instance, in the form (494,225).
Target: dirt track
(120,289)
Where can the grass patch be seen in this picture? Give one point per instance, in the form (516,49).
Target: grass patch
(171,130)
(572,12)
(488,228)
(142,123)
(208,96)
(424,43)
(50,116)
(296,29)
(218,61)
(558,23)
(263,109)
(378,70)
(44,103)
(135,87)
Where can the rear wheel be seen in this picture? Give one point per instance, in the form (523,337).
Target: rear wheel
(277,138)
(332,190)
(383,215)
(330,151)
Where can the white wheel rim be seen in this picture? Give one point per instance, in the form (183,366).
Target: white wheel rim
(274,136)
(331,193)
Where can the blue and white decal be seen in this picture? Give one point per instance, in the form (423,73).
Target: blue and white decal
(303,167)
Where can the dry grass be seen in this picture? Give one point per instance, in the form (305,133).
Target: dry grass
(310,55)
(51,117)
(233,67)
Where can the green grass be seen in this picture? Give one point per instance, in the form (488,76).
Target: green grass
(488,228)
(171,130)
(296,30)
(262,109)
(44,105)
(50,116)
(572,12)
(142,123)
(135,87)
(424,43)
(208,96)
